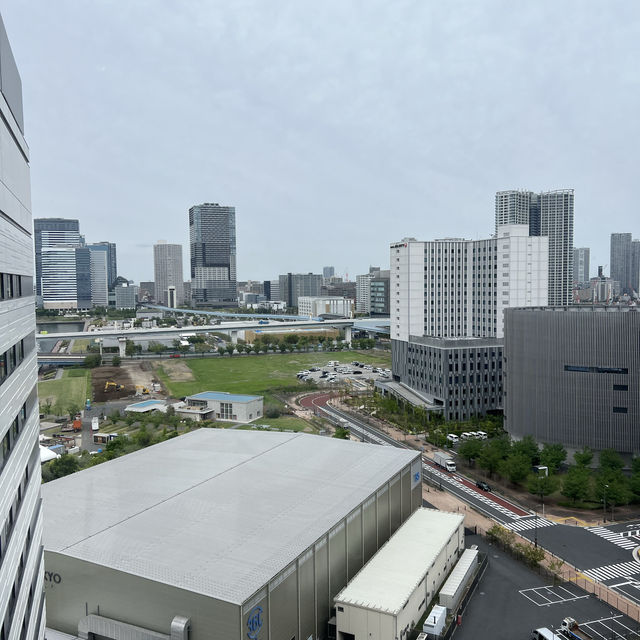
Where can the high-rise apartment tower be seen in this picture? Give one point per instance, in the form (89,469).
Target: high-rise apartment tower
(167,268)
(22,612)
(550,214)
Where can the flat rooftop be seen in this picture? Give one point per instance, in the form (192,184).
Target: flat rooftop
(217,512)
(391,576)
(222,396)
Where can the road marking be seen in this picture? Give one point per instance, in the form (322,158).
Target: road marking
(468,490)
(550,590)
(614,537)
(529,522)
(611,571)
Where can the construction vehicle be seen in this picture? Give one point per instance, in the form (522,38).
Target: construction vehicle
(141,390)
(112,386)
(444,460)
(571,629)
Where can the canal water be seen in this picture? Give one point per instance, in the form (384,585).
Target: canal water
(46,344)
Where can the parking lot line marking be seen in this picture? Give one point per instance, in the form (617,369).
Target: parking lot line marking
(538,604)
(543,594)
(573,595)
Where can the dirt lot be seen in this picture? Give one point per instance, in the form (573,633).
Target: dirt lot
(177,370)
(128,374)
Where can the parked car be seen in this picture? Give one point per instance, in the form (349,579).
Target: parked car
(453,438)
(481,435)
(481,484)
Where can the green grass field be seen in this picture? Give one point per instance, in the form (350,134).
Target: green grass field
(80,345)
(259,374)
(72,388)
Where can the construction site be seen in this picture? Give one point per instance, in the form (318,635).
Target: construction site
(130,379)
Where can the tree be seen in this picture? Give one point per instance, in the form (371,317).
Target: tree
(142,437)
(116,360)
(528,448)
(341,433)
(222,351)
(583,458)
(515,467)
(470,449)
(552,456)
(202,347)
(610,460)
(283,347)
(63,466)
(156,347)
(575,485)
(492,454)
(130,347)
(93,360)
(73,409)
(542,485)
(230,349)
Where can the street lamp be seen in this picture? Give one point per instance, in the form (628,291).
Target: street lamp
(604,503)
(546,473)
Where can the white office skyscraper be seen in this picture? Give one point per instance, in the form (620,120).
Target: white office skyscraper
(167,267)
(22,613)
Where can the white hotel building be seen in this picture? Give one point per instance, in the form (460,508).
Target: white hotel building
(447,299)
(21,556)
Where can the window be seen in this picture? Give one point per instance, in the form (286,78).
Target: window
(621,387)
(619,409)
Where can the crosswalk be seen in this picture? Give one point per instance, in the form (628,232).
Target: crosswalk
(610,571)
(524,524)
(432,471)
(614,537)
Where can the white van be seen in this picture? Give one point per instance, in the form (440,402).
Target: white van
(544,634)
(481,435)
(467,435)
(453,438)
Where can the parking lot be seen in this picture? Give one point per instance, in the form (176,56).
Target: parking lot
(333,373)
(511,600)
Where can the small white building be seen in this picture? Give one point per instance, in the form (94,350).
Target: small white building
(389,595)
(218,405)
(325,306)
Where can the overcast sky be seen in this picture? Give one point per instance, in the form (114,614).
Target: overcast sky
(333,127)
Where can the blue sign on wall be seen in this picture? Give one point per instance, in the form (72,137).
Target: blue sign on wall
(254,623)
(416,476)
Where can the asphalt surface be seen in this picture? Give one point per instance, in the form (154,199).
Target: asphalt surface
(511,600)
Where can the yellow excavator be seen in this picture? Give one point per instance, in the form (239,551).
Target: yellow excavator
(112,386)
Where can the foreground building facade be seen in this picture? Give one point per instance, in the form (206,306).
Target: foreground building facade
(572,376)
(21,560)
(250,534)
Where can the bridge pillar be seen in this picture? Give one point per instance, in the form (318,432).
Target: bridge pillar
(347,335)
(234,337)
(122,347)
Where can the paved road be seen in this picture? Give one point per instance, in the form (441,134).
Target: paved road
(491,505)
(602,554)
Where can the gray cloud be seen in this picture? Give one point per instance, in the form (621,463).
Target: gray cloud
(334,128)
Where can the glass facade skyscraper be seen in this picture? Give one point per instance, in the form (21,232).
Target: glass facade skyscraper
(212,234)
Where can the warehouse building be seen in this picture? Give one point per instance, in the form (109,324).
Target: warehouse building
(572,376)
(221,533)
(390,595)
(219,405)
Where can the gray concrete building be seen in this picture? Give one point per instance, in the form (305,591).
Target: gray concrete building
(233,534)
(22,610)
(460,376)
(294,285)
(572,376)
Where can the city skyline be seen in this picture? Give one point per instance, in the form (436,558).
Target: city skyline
(435,156)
